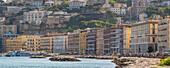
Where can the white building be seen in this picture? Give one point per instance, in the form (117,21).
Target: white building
(12,10)
(115,10)
(119,11)
(60,43)
(35,16)
(76,4)
(34,4)
(142,16)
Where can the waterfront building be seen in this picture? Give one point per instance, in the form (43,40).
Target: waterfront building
(3,40)
(46,44)
(33,43)
(60,43)
(82,42)
(163,34)
(106,40)
(126,39)
(13,44)
(117,38)
(100,43)
(73,43)
(144,36)
(24,39)
(91,41)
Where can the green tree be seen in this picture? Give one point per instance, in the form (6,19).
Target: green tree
(112,2)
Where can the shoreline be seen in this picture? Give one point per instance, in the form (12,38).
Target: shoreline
(138,62)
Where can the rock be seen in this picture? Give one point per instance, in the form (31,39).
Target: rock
(37,57)
(135,62)
(63,58)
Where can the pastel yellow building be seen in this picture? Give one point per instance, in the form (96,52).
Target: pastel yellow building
(46,44)
(82,42)
(13,44)
(31,43)
(126,38)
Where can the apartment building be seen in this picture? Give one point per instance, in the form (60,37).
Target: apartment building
(35,16)
(24,39)
(119,10)
(5,29)
(118,5)
(100,42)
(46,44)
(3,38)
(106,40)
(163,34)
(12,10)
(73,44)
(60,43)
(33,43)
(13,44)
(135,11)
(91,41)
(59,17)
(144,36)
(114,41)
(76,4)
(34,4)
(126,39)
(83,42)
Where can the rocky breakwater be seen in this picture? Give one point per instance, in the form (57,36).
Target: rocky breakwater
(37,57)
(136,62)
(63,58)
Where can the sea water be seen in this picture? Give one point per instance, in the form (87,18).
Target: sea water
(26,62)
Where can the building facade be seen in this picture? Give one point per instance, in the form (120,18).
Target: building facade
(100,42)
(91,41)
(33,43)
(126,39)
(6,29)
(144,36)
(73,43)
(13,44)
(163,34)
(46,44)
(60,43)
(35,16)
(83,42)
(76,4)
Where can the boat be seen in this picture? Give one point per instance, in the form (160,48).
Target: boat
(17,53)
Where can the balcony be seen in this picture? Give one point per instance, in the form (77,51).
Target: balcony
(139,35)
(115,37)
(114,32)
(131,36)
(151,34)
